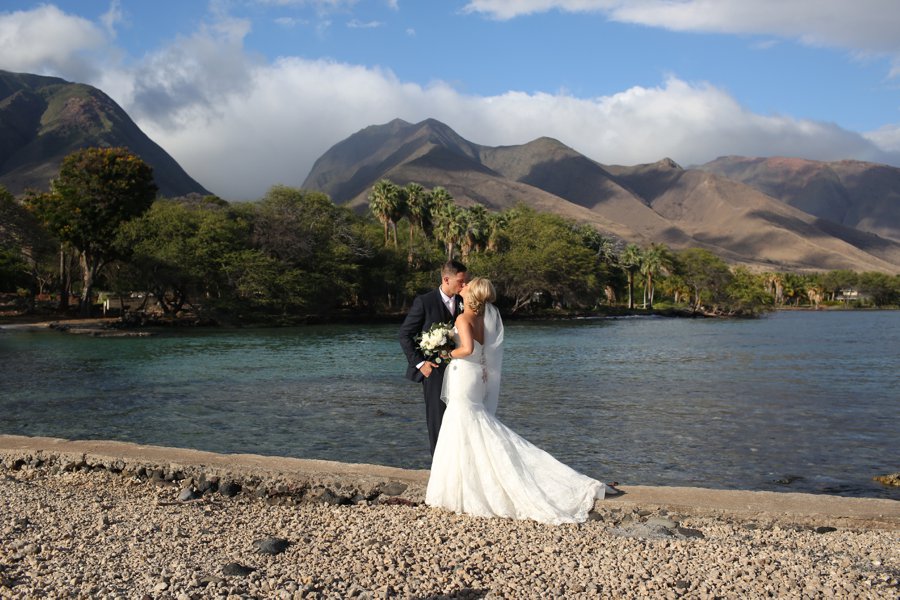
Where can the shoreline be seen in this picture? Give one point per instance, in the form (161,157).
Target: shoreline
(294,478)
(98,519)
(116,327)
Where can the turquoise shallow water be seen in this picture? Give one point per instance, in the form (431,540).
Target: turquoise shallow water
(810,398)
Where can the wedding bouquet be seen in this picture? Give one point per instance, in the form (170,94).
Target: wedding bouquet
(437,342)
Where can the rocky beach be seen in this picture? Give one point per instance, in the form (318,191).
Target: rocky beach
(83,519)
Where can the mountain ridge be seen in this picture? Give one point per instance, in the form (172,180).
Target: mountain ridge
(654,202)
(43,119)
(865,196)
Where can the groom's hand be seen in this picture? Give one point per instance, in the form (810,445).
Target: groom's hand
(427,367)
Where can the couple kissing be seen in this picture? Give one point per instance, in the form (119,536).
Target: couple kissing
(453,341)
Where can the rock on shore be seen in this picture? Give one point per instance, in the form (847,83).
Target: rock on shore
(84,532)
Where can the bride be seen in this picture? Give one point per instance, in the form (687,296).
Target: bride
(480,466)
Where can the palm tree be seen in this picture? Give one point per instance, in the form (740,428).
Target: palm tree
(418,205)
(438,198)
(396,209)
(381,202)
(774,283)
(496,223)
(476,229)
(606,248)
(655,260)
(448,220)
(630,262)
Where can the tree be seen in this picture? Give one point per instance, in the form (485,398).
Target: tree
(476,231)
(383,202)
(747,292)
(312,238)
(546,260)
(24,247)
(794,288)
(418,209)
(180,252)
(448,219)
(96,191)
(630,261)
(655,260)
(396,210)
(883,289)
(774,283)
(496,225)
(835,281)
(706,274)
(294,225)
(675,286)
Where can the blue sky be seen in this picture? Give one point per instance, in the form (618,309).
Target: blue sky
(246,94)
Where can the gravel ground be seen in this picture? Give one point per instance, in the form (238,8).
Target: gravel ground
(96,534)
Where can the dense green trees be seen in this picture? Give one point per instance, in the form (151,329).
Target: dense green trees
(24,246)
(97,190)
(294,255)
(182,252)
(546,263)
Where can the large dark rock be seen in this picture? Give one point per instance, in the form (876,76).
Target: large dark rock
(234,569)
(271,545)
(229,489)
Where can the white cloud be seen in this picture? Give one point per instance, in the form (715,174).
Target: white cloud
(294,110)
(887,138)
(290,22)
(689,123)
(191,77)
(239,124)
(46,40)
(322,5)
(112,17)
(509,9)
(862,25)
(357,24)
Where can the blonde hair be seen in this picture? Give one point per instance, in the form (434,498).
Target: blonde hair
(479,291)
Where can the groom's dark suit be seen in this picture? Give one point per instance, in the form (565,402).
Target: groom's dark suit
(427,309)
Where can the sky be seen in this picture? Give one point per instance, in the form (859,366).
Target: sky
(246,94)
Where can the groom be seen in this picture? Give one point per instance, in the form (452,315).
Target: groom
(437,306)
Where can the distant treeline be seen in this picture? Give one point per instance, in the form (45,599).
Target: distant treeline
(294,255)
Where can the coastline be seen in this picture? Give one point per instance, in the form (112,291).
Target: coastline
(116,517)
(117,327)
(270,476)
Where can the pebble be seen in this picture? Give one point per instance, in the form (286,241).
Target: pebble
(103,535)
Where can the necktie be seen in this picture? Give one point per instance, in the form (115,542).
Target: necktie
(451,306)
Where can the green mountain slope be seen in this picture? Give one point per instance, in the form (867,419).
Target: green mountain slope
(43,119)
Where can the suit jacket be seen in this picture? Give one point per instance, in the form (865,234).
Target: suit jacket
(427,309)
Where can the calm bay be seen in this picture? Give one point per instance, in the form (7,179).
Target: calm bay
(795,401)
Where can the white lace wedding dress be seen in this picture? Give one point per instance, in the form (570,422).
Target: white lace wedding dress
(481,467)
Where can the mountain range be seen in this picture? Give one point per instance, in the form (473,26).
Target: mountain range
(768,213)
(43,119)
(757,212)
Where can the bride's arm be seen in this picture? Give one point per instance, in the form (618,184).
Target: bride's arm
(466,339)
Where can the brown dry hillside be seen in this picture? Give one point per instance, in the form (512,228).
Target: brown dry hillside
(659,202)
(861,195)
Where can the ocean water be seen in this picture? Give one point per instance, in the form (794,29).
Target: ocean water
(795,401)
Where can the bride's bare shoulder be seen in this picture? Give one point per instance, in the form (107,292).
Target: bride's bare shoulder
(465,317)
